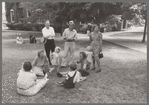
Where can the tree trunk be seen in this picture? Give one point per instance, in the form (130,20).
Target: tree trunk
(144,31)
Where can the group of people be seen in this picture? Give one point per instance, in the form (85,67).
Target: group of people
(43,65)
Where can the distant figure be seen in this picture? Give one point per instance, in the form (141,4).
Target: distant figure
(27,82)
(129,26)
(19,39)
(32,39)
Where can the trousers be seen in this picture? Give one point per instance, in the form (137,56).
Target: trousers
(49,46)
(69,49)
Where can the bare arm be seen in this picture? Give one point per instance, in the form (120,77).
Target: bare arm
(64,35)
(34,62)
(100,42)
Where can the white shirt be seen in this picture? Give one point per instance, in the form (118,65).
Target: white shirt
(48,33)
(77,77)
(55,58)
(70,34)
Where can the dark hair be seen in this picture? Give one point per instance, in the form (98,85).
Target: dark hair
(83,54)
(73,65)
(95,27)
(27,66)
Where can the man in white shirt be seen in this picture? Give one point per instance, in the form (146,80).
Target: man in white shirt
(69,36)
(49,34)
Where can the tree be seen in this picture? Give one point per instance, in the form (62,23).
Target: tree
(132,9)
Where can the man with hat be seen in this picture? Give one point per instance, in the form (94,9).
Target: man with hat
(69,36)
(49,34)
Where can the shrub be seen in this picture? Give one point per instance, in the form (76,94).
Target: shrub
(57,29)
(18,26)
(27,27)
(108,28)
(31,27)
(10,26)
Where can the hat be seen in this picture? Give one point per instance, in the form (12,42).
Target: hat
(71,23)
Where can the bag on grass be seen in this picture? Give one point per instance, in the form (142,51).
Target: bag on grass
(83,73)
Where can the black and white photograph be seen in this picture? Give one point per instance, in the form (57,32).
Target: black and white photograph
(74,52)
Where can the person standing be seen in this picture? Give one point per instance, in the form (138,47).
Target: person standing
(69,36)
(96,46)
(49,34)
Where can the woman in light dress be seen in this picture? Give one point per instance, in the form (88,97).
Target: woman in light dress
(27,82)
(96,46)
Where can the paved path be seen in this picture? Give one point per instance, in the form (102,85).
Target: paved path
(130,38)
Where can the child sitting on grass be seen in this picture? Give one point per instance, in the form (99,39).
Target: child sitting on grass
(19,39)
(55,59)
(72,77)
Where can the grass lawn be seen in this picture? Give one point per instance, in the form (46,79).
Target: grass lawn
(123,78)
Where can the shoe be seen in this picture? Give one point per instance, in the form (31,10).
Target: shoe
(98,71)
(93,68)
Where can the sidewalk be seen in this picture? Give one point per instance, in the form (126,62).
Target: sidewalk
(130,38)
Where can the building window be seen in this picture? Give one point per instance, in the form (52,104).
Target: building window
(12,15)
(28,13)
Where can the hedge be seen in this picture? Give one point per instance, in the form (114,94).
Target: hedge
(30,27)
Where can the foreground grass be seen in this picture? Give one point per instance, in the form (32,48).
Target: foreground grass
(123,78)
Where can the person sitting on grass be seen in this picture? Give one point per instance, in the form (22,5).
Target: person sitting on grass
(72,77)
(83,61)
(40,64)
(83,64)
(27,82)
(19,39)
(55,59)
(32,39)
